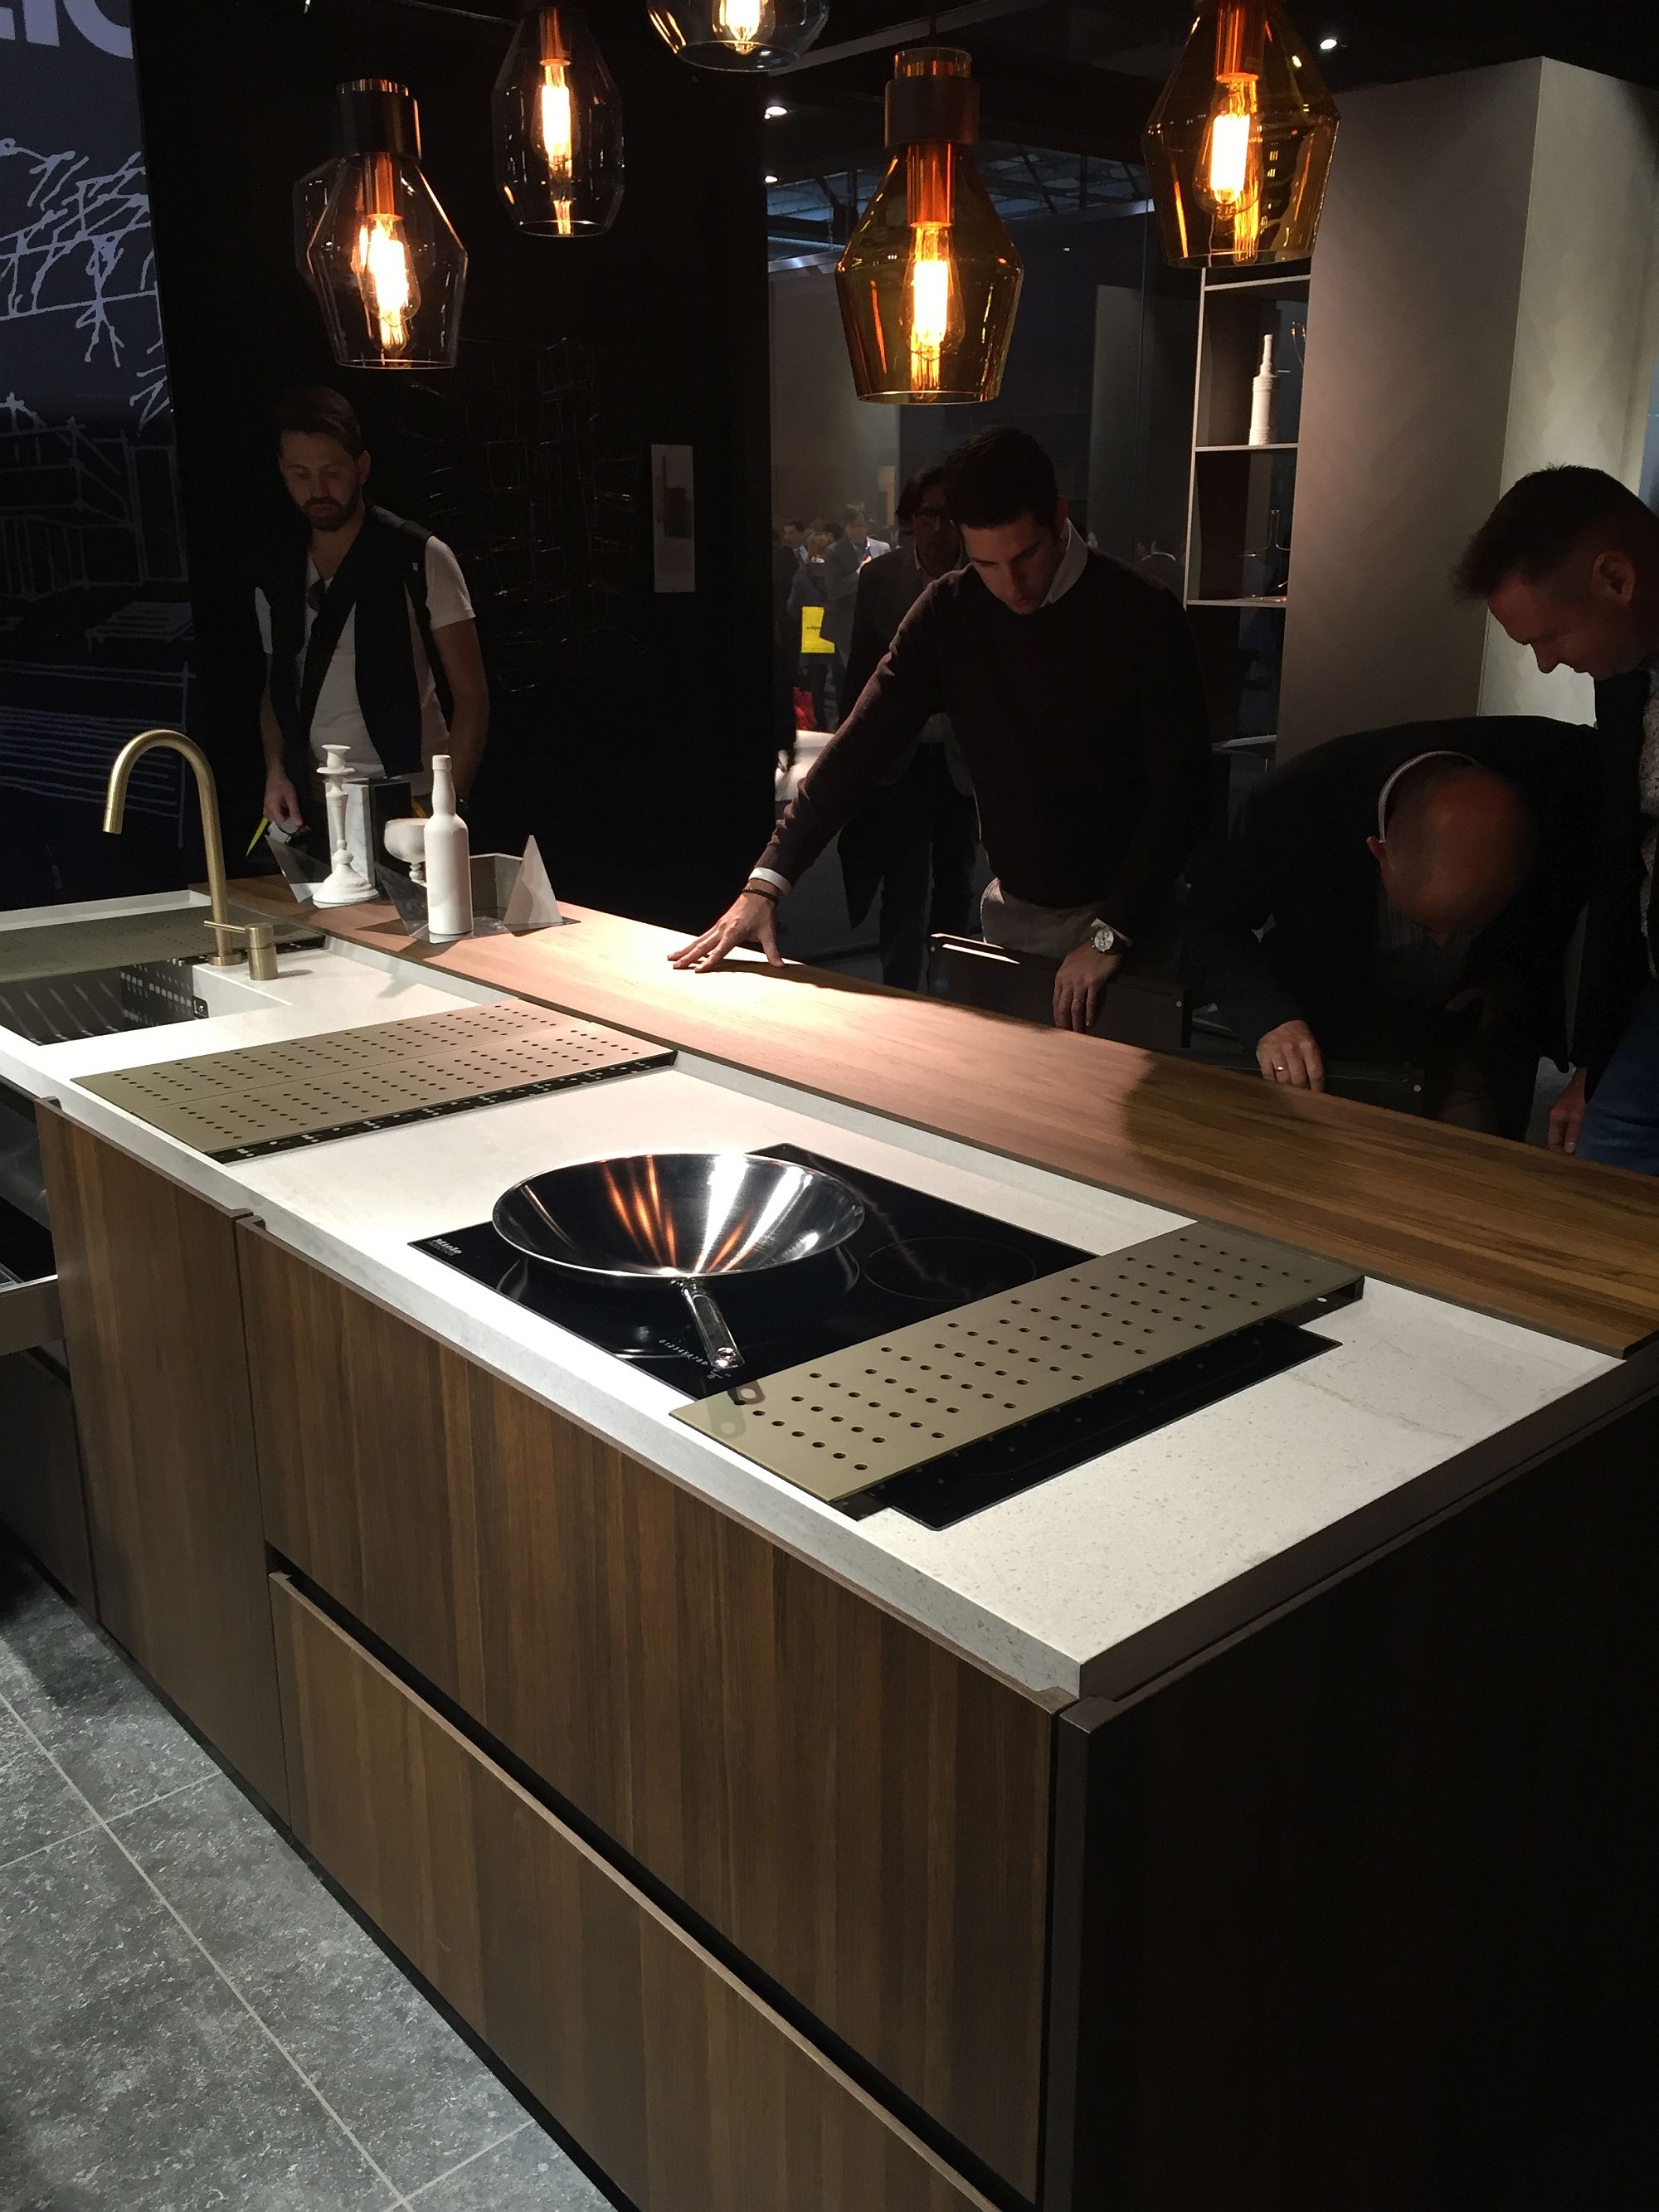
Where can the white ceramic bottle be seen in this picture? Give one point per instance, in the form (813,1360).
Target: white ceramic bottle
(1263,393)
(448,862)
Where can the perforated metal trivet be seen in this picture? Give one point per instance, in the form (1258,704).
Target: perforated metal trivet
(237,1105)
(837,1426)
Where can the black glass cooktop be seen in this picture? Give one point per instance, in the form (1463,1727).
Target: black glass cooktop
(915,1256)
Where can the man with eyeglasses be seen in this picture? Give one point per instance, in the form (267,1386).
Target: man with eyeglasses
(916,837)
(359,614)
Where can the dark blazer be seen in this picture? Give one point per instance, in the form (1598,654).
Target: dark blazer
(1615,969)
(1281,914)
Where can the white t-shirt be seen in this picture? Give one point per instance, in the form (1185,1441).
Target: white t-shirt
(338,719)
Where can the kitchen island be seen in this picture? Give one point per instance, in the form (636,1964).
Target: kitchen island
(1233,1819)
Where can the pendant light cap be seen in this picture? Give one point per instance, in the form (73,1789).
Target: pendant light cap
(931,98)
(373,115)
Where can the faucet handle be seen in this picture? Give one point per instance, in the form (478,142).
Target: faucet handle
(228,944)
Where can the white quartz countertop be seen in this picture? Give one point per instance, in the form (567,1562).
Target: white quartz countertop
(1110,1572)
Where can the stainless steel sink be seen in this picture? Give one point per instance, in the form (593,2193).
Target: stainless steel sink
(53,1009)
(144,994)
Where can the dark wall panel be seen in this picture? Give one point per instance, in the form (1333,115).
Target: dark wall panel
(94,616)
(630,729)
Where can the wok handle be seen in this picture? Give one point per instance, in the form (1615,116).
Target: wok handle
(718,1340)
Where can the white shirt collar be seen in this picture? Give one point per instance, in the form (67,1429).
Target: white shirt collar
(1072,563)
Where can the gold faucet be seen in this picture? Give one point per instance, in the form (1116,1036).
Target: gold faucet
(258,937)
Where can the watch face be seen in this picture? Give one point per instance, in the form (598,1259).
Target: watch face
(1105,937)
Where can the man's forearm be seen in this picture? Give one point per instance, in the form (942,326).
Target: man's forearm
(271,734)
(468,729)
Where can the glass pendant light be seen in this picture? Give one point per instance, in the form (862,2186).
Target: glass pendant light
(378,249)
(930,279)
(558,127)
(1239,145)
(739,35)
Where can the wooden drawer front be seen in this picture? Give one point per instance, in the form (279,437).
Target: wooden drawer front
(691,2094)
(152,1316)
(860,1813)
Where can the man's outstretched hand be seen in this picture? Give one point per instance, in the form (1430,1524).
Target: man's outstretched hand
(750,920)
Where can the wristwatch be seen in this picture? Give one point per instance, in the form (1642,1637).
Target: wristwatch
(1105,939)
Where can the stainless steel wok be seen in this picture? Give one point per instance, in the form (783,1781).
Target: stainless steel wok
(688,1218)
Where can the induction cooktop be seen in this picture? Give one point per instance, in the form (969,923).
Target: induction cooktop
(916,1257)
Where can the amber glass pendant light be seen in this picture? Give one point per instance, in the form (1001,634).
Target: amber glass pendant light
(558,127)
(379,251)
(1239,145)
(739,35)
(930,279)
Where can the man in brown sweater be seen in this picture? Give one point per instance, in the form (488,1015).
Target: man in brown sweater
(1073,686)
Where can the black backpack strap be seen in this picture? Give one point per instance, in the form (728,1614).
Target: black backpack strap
(415,536)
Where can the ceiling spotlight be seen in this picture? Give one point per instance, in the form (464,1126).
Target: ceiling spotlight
(1327,45)
(769,178)
(774,110)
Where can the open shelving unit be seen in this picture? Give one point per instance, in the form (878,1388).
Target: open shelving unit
(1241,498)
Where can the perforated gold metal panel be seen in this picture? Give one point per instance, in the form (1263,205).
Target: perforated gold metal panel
(838,1424)
(236,1105)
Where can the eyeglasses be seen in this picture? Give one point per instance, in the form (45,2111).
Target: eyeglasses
(931,514)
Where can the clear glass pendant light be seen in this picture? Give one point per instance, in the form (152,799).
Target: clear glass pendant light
(558,127)
(378,251)
(739,35)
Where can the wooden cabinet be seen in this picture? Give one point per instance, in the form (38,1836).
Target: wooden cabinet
(860,1813)
(41,1498)
(691,2094)
(153,1320)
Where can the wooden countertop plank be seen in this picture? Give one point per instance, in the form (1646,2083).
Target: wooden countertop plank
(1506,1228)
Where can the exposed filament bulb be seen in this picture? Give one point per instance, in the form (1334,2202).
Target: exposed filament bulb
(930,303)
(558,129)
(386,279)
(743,24)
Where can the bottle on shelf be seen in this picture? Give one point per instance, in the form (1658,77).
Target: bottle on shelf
(448,862)
(1264,391)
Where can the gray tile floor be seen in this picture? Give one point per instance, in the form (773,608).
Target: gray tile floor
(188,2018)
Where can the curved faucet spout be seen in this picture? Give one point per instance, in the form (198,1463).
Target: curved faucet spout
(225,931)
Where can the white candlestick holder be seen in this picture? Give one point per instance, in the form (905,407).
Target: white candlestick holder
(345,884)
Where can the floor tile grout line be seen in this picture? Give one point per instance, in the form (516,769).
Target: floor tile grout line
(398,2200)
(69,1837)
(165,1797)
(461,2163)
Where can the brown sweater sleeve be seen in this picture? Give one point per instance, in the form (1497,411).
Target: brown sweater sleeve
(905,689)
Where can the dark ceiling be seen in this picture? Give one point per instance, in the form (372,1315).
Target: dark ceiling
(1080,74)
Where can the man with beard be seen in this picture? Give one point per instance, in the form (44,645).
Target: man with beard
(359,614)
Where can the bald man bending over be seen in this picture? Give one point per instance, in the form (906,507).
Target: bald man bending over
(1405,894)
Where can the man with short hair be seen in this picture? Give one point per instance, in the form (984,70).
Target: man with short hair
(917,837)
(1404,895)
(353,612)
(853,548)
(1568,564)
(1073,686)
